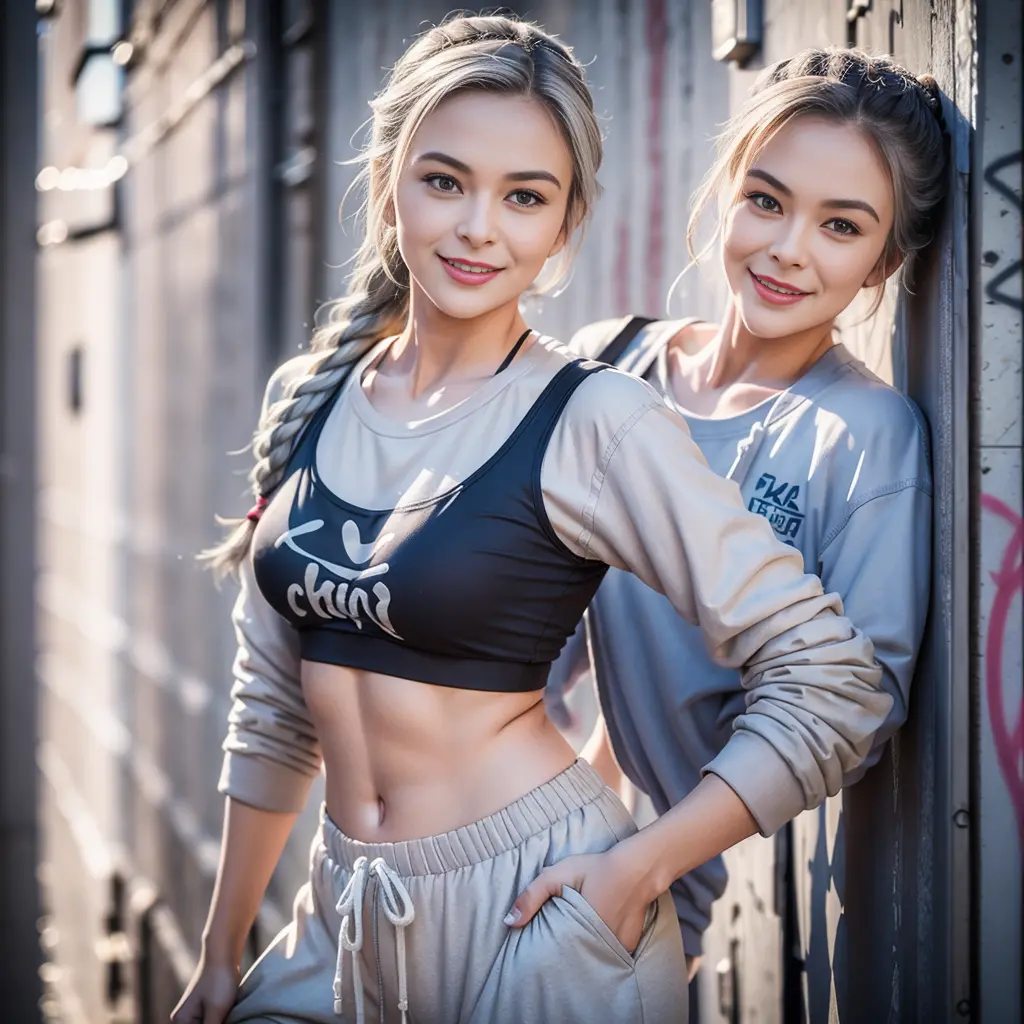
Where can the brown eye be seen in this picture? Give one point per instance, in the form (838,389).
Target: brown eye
(765,202)
(525,198)
(841,226)
(442,182)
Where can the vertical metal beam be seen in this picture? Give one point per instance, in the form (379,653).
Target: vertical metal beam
(997,813)
(908,850)
(19,906)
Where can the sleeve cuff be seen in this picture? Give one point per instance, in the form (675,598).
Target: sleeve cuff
(759,776)
(263,783)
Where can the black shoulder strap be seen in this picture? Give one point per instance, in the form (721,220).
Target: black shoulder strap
(616,347)
(549,408)
(560,389)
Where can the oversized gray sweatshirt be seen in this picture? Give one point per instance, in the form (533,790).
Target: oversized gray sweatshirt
(839,467)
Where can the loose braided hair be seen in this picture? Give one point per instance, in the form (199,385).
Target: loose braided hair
(501,55)
(899,113)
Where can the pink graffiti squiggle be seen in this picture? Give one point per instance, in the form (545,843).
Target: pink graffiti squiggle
(1008,738)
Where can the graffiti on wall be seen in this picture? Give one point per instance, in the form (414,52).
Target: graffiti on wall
(1007,724)
(995,290)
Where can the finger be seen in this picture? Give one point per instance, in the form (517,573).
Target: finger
(692,963)
(547,884)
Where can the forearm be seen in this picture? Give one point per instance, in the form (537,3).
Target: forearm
(705,823)
(251,845)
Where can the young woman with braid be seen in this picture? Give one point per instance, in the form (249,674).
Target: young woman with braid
(439,493)
(828,181)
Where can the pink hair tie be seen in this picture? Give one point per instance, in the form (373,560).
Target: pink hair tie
(253,515)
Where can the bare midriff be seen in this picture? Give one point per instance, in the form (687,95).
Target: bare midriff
(406,759)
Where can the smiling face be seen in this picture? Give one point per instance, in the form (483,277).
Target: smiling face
(808,228)
(481,201)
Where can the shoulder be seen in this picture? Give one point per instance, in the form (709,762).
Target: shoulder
(609,402)
(602,399)
(872,410)
(870,435)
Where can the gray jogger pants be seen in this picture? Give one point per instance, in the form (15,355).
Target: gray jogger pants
(412,932)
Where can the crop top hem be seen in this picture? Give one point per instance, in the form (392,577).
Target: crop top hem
(386,657)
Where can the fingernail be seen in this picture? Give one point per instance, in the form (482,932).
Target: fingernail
(512,916)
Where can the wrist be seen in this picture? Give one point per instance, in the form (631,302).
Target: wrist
(222,950)
(641,864)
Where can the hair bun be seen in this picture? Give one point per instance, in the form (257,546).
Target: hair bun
(933,98)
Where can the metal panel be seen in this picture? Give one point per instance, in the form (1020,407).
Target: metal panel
(193,327)
(997,818)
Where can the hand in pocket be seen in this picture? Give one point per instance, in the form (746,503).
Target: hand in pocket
(609,884)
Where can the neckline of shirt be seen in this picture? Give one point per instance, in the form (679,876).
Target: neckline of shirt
(386,426)
(740,424)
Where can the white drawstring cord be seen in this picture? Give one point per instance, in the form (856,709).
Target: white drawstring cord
(399,910)
(350,906)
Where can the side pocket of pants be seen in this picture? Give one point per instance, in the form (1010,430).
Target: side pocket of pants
(660,969)
(561,968)
(593,920)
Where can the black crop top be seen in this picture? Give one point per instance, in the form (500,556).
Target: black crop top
(471,589)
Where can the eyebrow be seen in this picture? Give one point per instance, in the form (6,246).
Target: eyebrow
(835,204)
(458,165)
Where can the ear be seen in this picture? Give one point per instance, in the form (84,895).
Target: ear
(883,270)
(388,215)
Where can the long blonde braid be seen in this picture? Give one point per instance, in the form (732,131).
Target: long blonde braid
(374,308)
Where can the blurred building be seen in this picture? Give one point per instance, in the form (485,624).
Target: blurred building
(188,182)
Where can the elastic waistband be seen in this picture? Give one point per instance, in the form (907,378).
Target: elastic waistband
(489,837)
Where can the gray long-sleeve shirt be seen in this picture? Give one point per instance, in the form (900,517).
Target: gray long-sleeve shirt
(621,482)
(839,466)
